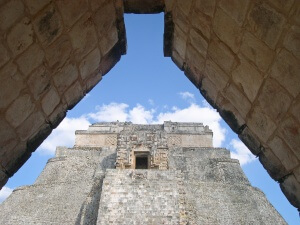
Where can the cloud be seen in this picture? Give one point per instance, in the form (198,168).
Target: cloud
(187,96)
(140,115)
(241,152)
(64,134)
(196,113)
(111,112)
(4,193)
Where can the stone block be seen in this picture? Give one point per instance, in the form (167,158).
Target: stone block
(177,60)
(31,59)
(185,6)
(36,140)
(48,25)
(195,59)
(31,125)
(238,99)
(58,52)
(71,11)
(198,42)
(266,23)
(179,43)
(20,36)
(291,188)
(216,74)
(248,78)
(10,77)
(295,109)
(95,4)
(90,64)
(284,154)
(221,55)
(181,20)
(230,114)
(4,56)
(105,18)
(206,6)
(35,6)
(285,5)
(73,95)
(261,124)
(201,22)
(209,90)
(292,41)
(19,110)
(289,131)
(92,81)
(272,164)
(109,40)
(236,9)
(57,116)
(39,82)
(8,137)
(273,99)
(286,70)
(257,51)
(3,178)
(297,173)
(50,101)
(65,77)
(227,30)
(10,13)
(83,36)
(250,140)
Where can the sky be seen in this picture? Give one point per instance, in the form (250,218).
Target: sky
(145,87)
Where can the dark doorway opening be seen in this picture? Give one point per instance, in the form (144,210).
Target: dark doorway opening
(141,162)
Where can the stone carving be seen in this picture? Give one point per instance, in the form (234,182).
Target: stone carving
(175,140)
(111,140)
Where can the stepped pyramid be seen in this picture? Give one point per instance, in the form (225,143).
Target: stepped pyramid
(124,173)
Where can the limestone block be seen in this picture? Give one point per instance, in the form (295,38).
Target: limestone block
(198,42)
(108,41)
(58,52)
(31,125)
(290,131)
(31,59)
(273,99)
(180,20)
(39,82)
(296,13)
(4,56)
(238,99)
(8,137)
(10,13)
(71,11)
(286,70)
(291,188)
(95,4)
(272,164)
(48,25)
(93,80)
(19,110)
(257,51)
(35,6)
(20,36)
(221,55)
(261,124)
(3,178)
(206,6)
(202,23)
(185,6)
(250,140)
(50,101)
(297,173)
(236,9)
(105,18)
(196,60)
(227,30)
(90,64)
(284,154)
(57,116)
(282,5)
(179,42)
(73,95)
(65,77)
(248,78)
(296,109)
(292,41)
(216,74)
(10,77)
(83,36)
(209,90)
(266,23)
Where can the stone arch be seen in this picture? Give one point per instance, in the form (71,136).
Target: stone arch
(242,56)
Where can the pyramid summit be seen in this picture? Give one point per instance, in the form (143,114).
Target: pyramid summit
(124,173)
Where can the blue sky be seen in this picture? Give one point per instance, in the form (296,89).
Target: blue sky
(145,87)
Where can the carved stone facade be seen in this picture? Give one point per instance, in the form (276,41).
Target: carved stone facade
(124,174)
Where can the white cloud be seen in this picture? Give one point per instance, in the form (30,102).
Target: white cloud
(4,193)
(140,115)
(241,152)
(64,134)
(111,112)
(195,113)
(187,95)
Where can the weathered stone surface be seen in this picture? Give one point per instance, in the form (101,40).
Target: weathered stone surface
(145,6)
(10,13)
(215,74)
(248,78)
(179,42)
(290,187)
(198,42)
(35,6)
(65,77)
(19,110)
(286,70)
(50,101)
(236,9)
(202,22)
(7,137)
(4,57)
(73,95)
(48,25)
(250,141)
(20,36)
(282,5)
(206,6)
(90,64)
(292,41)
(39,82)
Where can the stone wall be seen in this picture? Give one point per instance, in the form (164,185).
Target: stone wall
(244,58)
